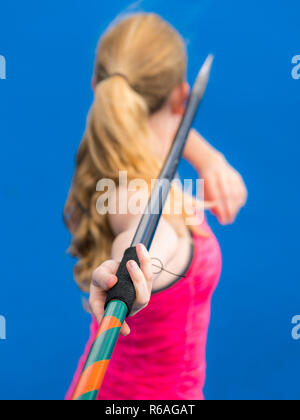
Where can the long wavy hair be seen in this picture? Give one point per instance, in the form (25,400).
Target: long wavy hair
(152,56)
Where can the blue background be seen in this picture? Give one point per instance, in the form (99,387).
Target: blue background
(251,113)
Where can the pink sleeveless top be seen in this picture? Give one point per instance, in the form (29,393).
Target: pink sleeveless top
(164,356)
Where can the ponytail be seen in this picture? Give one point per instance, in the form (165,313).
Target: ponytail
(118,131)
(147,59)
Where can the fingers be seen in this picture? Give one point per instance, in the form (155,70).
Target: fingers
(146,265)
(228,205)
(103,279)
(237,195)
(125,330)
(97,302)
(101,283)
(215,193)
(242,192)
(228,191)
(140,285)
(104,276)
(141,278)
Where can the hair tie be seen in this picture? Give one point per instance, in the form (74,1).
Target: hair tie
(116,75)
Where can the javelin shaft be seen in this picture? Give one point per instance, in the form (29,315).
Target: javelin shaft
(121,297)
(100,354)
(155,206)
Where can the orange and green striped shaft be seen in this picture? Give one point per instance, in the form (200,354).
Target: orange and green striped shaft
(101,351)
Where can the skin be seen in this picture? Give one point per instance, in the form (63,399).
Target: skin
(225,192)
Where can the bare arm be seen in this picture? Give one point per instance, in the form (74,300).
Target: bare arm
(224,186)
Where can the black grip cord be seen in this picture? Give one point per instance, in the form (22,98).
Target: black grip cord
(124,290)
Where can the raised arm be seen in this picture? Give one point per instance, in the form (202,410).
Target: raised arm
(224,186)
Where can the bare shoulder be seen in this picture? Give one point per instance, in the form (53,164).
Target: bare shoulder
(126,209)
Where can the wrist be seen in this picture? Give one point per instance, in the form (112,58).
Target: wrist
(201,154)
(210,159)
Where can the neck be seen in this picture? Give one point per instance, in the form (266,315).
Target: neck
(164,125)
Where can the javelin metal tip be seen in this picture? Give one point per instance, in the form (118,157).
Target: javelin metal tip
(203,76)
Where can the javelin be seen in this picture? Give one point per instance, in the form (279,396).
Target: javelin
(121,297)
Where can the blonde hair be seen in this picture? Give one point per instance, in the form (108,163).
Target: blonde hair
(152,57)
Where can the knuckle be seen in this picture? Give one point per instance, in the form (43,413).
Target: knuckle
(145,255)
(97,273)
(144,302)
(147,260)
(110,265)
(98,278)
(95,282)
(149,275)
(143,299)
